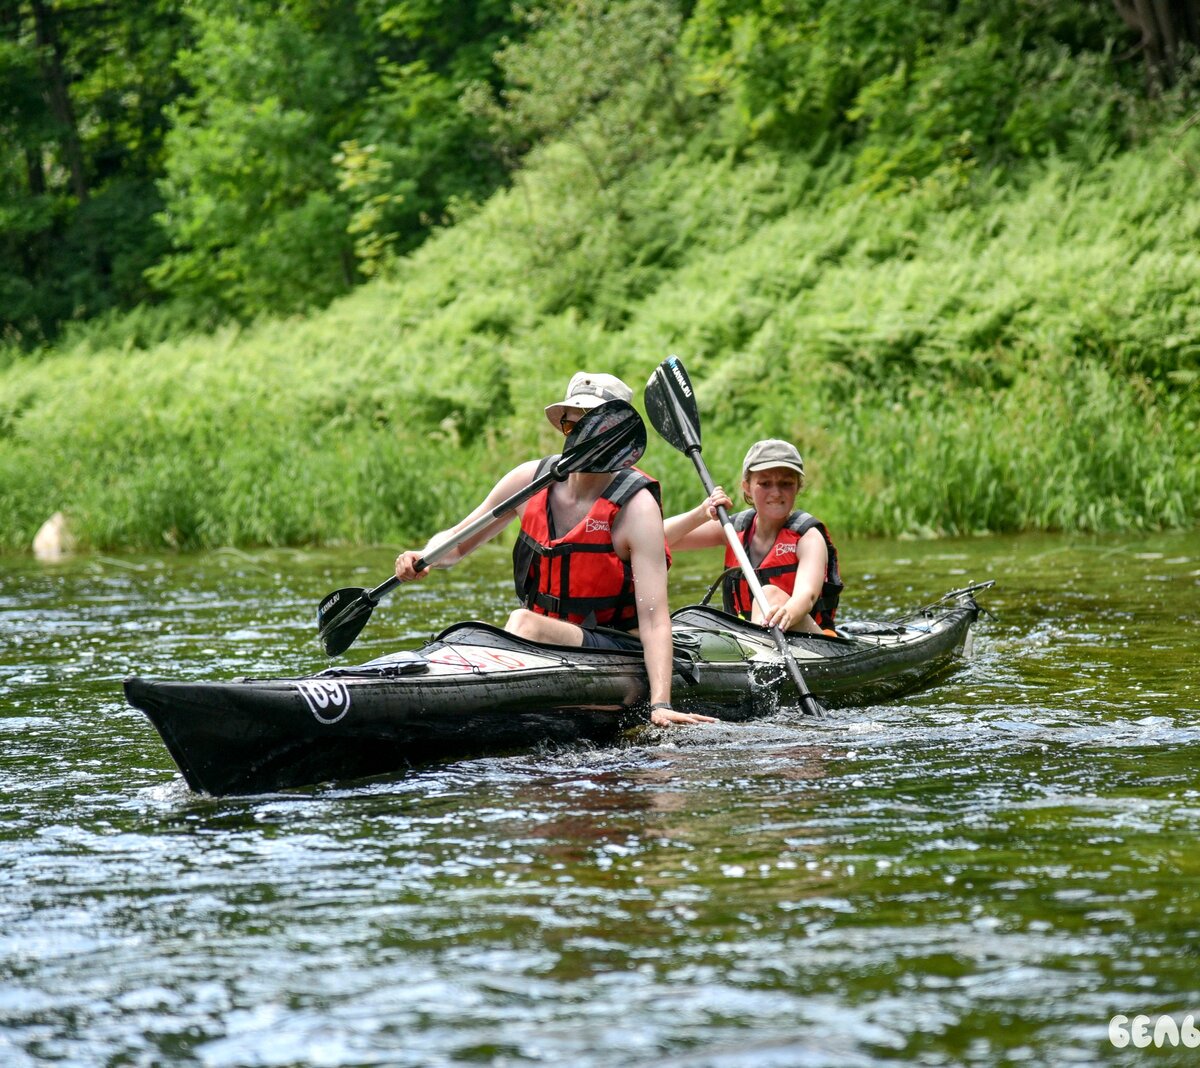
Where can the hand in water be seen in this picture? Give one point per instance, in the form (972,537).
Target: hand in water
(668,717)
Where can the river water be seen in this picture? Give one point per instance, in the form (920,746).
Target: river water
(982,873)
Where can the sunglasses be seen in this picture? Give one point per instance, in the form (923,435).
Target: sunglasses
(567,423)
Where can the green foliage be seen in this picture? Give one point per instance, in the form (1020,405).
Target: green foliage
(315,141)
(307,143)
(789,70)
(598,74)
(241,157)
(935,87)
(431,151)
(1076,449)
(80,136)
(919,240)
(247,201)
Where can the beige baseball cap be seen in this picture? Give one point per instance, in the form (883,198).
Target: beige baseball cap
(772,452)
(587,390)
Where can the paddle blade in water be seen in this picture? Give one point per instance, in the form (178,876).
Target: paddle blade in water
(609,437)
(341,616)
(671,405)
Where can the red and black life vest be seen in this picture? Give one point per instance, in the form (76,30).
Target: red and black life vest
(778,567)
(579,577)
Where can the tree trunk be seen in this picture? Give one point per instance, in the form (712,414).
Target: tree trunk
(1163,25)
(35,173)
(50,56)
(1165,19)
(1191,21)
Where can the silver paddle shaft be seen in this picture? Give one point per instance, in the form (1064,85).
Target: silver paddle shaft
(739,551)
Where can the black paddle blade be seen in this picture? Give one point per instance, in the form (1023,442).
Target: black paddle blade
(341,616)
(671,405)
(609,437)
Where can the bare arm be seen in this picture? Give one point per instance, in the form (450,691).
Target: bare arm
(812,559)
(699,528)
(640,527)
(515,481)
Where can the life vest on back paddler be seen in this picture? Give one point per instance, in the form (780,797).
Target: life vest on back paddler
(579,577)
(778,567)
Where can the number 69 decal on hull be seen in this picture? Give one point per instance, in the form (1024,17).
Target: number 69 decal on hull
(328,701)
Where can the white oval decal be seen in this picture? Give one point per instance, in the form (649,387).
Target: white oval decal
(329,701)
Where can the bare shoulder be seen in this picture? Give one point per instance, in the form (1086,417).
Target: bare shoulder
(813,546)
(510,484)
(813,536)
(643,506)
(521,475)
(640,520)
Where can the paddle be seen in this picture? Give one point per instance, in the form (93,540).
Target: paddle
(607,438)
(671,406)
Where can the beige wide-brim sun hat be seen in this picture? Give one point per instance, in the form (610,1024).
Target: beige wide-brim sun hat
(587,390)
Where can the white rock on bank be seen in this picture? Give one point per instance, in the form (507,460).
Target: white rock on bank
(53,540)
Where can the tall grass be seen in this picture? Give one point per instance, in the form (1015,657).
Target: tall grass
(1074,452)
(947,359)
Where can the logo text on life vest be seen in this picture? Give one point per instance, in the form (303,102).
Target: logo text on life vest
(597,524)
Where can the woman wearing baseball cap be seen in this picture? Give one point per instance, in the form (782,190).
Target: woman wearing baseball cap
(791,551)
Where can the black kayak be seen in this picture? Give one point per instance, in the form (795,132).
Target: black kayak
(475,689)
